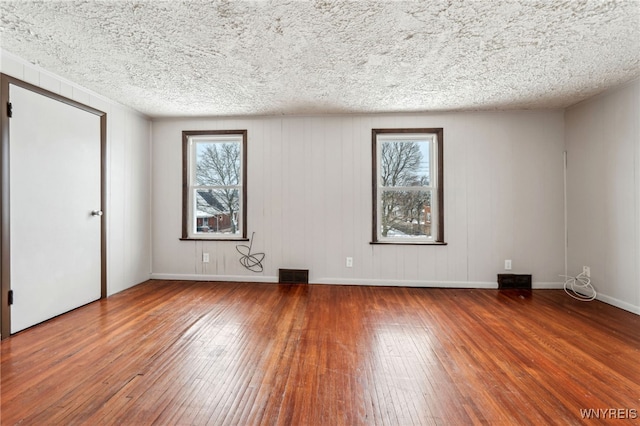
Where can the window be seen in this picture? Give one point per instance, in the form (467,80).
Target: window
(407,186)
(214,186)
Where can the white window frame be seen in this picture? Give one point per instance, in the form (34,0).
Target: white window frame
(434,136)
(190,223)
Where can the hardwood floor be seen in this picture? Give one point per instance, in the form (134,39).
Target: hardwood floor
(194,353)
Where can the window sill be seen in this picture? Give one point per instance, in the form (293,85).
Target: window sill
(409,243)
(214,239)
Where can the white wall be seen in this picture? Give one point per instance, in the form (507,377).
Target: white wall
(603,183)
(129,186)
(309,200)
(310,195)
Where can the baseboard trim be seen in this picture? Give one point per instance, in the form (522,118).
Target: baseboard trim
(405,283)
(350,281)
(200,277)
(618,303)
(547,286)
(439,284)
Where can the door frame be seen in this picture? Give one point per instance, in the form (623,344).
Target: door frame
(5,235)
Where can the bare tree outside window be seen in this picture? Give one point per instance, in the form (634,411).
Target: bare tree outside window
(214,184)
(406,207)
(218,165)
(403,165)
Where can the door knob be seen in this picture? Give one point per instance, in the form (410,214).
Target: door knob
(96,213)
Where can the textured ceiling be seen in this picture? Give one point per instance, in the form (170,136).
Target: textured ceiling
(185,58)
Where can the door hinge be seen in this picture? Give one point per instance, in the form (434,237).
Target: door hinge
(10,297)
(9,109)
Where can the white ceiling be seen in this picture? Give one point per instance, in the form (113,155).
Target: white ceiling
(196,58)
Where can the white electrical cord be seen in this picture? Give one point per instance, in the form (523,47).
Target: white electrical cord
(579,287)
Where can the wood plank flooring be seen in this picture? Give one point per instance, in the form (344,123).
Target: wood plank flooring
(196,353)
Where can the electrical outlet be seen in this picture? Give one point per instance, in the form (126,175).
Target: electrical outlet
(586,271)
(205,257)
(349,262)
(507,264)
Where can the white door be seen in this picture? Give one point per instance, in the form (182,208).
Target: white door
(54,187)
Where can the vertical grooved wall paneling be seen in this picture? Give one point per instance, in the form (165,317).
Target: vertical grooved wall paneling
(603,187)
(128,210)
(309,200)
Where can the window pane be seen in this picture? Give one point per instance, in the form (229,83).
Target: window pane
(405,163)
(406,214)
(217,211)
(218,163)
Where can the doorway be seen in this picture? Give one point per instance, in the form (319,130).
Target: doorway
(53,199)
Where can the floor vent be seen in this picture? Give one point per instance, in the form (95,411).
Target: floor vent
(514,281)
(293,276)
